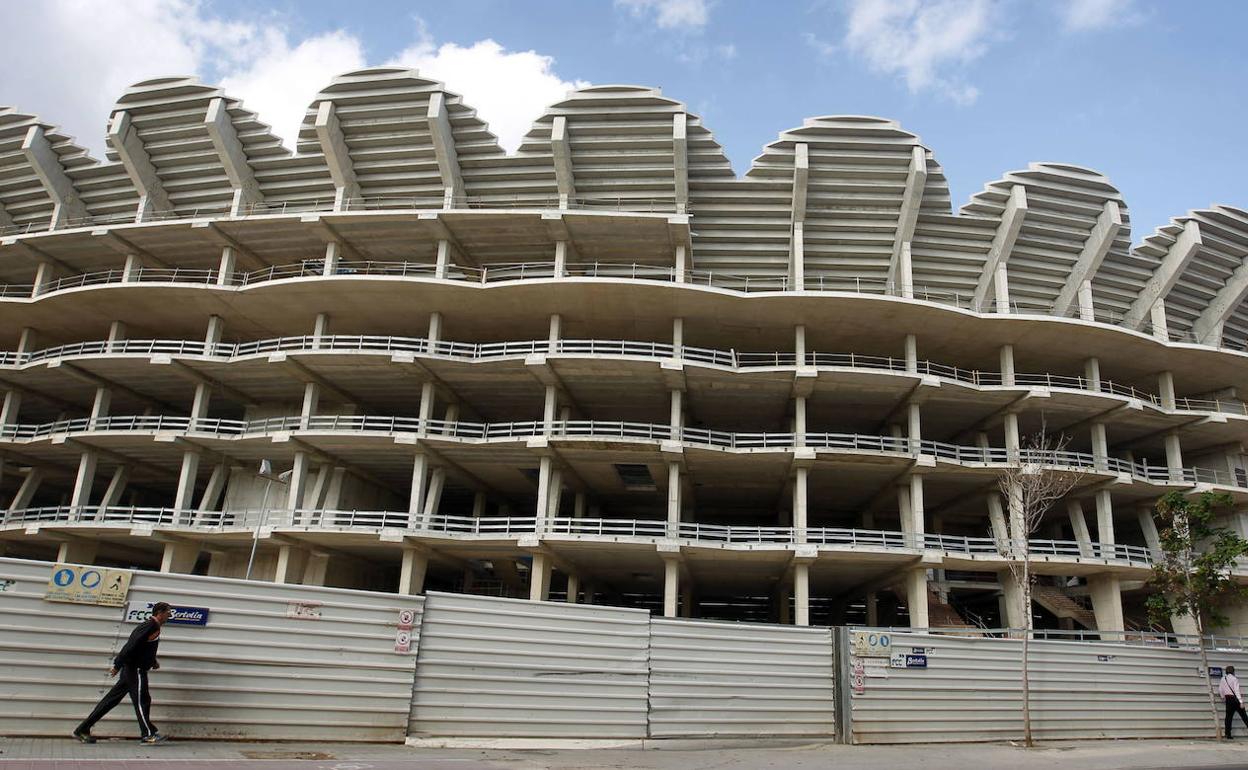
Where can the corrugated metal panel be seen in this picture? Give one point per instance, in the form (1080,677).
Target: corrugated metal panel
(508,667)
(740,679)
(970,691)
(252,672)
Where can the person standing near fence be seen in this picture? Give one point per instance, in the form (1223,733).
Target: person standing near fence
(136,658)
(1229,690)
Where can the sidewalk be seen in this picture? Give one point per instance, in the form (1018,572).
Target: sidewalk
(48,754)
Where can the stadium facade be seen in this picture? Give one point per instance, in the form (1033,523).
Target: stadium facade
(603,367)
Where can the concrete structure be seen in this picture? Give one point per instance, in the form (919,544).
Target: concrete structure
(603,368)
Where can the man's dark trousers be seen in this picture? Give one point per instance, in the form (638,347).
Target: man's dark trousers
(132,681)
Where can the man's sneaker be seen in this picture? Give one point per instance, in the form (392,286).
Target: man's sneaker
(84,736)
(153,738)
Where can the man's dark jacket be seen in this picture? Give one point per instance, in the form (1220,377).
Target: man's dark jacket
(139,652)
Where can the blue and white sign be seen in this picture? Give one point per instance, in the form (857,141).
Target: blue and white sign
(1215,672)
(916,661)
(137,612)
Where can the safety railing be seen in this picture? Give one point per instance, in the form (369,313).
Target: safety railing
(603,430)
(512,526)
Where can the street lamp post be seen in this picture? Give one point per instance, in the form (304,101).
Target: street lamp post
(266,473)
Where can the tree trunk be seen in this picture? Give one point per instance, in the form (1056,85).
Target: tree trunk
(1027,740)
(1204,663)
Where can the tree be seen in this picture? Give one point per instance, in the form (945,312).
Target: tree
(1030,485)
(1193,577)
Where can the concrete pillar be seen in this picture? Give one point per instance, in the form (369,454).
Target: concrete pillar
(314,572)
(116,487)
(1007,365)
(478,504)
(996,519)
(333,255)
(681,264)
(539,578)
(320,330)
(912,353)
(578,507)
(673,499)
(179,557)
(542,506)
(916,597)
(671,587)
(311,400)
(677,414)
(9,411)
(1106,592)
(1014,614)
(100,404)
(77,551)
(416,499)
(45,274)
(574,589)
(1074,509)
(442,260)
(1001,288)
(904,512)
(1087,311)
(1157,314)
(216,486)
(873,609)
(298,481)
(556,494)
(801,594)
(917,513)
(561,259)
(914,427)
(1092,373)
(799,420)
(131,269)
(291,562)
(1013,439)
(84,481)
(1174,455)
(1149,527)
(554,333)
(412,572)
(433,497)
(184,498)
(26,492)
(801,507)
(212,337)
(799,345)
(905,271)
(1100,446)
(225,270)
(1105,518)
(1165,388)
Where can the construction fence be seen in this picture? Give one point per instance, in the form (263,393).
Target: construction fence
(257,660)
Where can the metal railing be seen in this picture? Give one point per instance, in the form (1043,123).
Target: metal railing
(512,526)
(629,432)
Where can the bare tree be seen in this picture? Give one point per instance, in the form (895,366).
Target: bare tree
(1037,478)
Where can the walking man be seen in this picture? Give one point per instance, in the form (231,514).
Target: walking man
(133,662)
(1229,690)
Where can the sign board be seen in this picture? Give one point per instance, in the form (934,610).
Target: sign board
(88,585)
(1105,658)
(407,619)
(304,610)
(871,644)
(403,640)
(139,611)
(907,660)
(859,678)
(1215,672)
(875,668)
(916,661)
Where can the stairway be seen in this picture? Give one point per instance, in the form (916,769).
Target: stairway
(943,615)
(1056,601)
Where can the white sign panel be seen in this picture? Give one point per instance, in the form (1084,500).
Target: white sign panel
(871,644)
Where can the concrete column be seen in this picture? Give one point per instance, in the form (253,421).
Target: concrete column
(185,496)
(45,273)
(1014,615)
(1106,592)
(112,495)
(1149,527)
(905,271)
(212,337)
(298,480)
(542,506)
(26,492)
(416,499)
(996,519)
(179,556)
(561,259)
(433,497)
(333,255)
(578,507)
(914,428)
(574,589)
(1001,287)
(1165,388)
(412,571)
(673,499)
(873,609)
(318,566)
(77,551)
(1100,446)
(801,507)
(1105,519)
(801,594)
(671,587)
(912,353)
(1157,314)
(1078,523)
(442,260)
(1092,373)
(539,578)
(550,409)
(84,481)
(904,513)
(225,271)
(311,400)
(1174,455)
(1087,311)
(916,597)
(12,406)
(1007,365)
(216,486)
(320,329)
(435,327)
(799,344)
(291,562)
(799,420)
(478,504)
(917,513)
(681,262)
(132,269)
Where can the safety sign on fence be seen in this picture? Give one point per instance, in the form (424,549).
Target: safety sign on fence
(139,611)
(88,585)
(871,644)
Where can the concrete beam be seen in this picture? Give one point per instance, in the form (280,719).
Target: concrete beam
(680,160)
(337,156)
(241,252)
(199,378)
(911,202)
(801,176)
(561,149)
(124,247)
(329,234)
(1003,242)
(56,183)
(102,382)
(443,137)
(1090,258)
(436,229)
(306,375)
(38,255)
(1167,274)
(230,150)
(125,141)
(1208,326)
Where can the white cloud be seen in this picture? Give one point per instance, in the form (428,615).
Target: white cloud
(282,80)
(509,89)
(1090,15)
(670,14)
(920,41)
(68,61)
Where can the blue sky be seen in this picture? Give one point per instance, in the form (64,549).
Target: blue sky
(1152,93)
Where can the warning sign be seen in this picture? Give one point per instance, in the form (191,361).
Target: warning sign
(88,585)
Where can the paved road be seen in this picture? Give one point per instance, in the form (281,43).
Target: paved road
(55,754)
